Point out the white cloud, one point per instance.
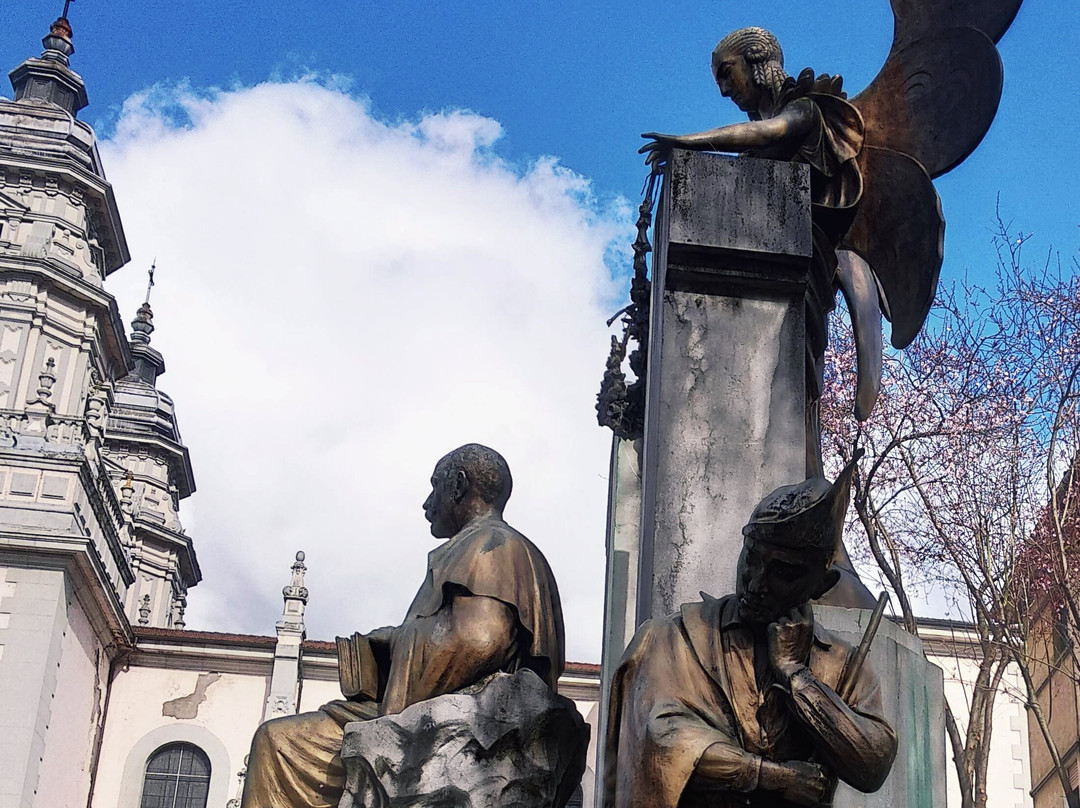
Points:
(340, 301)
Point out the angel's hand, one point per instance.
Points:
(658, 147)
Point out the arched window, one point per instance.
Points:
(177, 776)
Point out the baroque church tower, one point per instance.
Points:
(92, 467)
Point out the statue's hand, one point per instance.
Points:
(381, 636)
(659, 146)
(796, 780)
(790, 639)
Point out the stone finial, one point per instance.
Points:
(240, 775)
(48, 78)
(144, 611)
(39, 410)
(46, 380)
(58, 44)
(143, 325)
(296, 589)
(179, 606)
(97, 407)
(127, 491)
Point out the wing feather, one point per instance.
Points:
(856, 281)
(935, 97)
(900, 232)
(917, 18)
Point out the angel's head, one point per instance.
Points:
(748, 66)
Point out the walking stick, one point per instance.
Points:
(850, 676)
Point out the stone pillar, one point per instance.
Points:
(725, 416)
(291, 631)
(620, 602)
(725, 397)
(913, 695)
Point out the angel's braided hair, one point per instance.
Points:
(762, 53)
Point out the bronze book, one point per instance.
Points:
(357, 672)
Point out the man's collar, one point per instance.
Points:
(729, 618)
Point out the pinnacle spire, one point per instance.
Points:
(149, 363)
(296, 591)
(143, 324)
(48, 79)
(57, 42)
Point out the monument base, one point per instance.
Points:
(913, 698)
(508, 740)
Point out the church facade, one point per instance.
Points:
(107, 699)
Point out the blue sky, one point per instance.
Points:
(581, 80)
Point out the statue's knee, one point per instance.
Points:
(267, 735)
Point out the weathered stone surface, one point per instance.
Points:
(506, 741)
(763, 205)
(912, 694)
(729, 429)
(725, 410)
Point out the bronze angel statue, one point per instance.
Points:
(877, 219)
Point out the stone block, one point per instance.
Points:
(23, 484)
(914, 700)
(506, 741)
(739, 205)
(54, 487)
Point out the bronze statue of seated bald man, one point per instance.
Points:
(488, 603)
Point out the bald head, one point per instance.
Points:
(468, 483)
(486, 470)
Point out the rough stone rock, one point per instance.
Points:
(506, 741)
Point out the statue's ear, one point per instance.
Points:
(828, 581)
(460, 485)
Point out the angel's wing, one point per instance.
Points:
(924, 113)
(899, 231)
(938, 91)
(916, 18)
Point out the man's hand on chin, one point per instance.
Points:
(790, 638)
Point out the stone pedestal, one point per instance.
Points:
(725, 415)
(506, 741)
(914, 701)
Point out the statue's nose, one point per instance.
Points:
(757, 584)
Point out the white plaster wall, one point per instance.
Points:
(1008, 775)
(231, 712)
(64, 778)
(315, 694)
(590, 711)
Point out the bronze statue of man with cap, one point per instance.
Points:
(734, 701)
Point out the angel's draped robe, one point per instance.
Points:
(690, 681)
(488, 603)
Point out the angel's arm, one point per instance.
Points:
(791, 125)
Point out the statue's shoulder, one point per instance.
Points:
(493, 543)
